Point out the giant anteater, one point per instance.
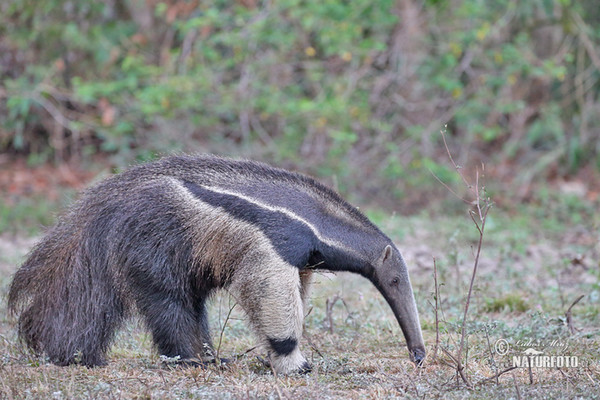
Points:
(161, 237)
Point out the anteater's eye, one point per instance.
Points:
(395, 281)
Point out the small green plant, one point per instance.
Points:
(512, 302)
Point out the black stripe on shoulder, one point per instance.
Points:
(186, 166)
(292, 239)
(283, 347)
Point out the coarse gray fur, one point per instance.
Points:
(161, 237)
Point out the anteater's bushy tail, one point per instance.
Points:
(69, 304)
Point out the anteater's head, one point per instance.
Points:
(390, 276)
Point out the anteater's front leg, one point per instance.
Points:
(270, 295)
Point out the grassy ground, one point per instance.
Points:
(535, 263)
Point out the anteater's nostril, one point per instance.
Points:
(418, 356)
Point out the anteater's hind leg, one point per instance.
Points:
(270, 295)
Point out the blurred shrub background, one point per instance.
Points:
(355, 92)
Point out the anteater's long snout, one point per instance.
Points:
(402, 303)
(408, 318)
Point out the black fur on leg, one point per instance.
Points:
(178, 329)
(283, 347)
(167, 293)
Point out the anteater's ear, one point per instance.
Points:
(387, 253)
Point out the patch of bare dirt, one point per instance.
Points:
(17, 179)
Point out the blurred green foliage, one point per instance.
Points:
(512, 302)
(357, 90)
(28, 215)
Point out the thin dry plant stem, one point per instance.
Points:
(493, 361)
(312, 344)
(448, 188)
(217, 359)
(475, 265)
(516, 387)
(276, 382)
(481, 213)
(497, 375)
(437, 297)
(456, 166)
(569, 316)
(329, 309)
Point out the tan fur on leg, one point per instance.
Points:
(270, 295)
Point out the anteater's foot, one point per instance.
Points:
(303, 369)
(306, 368)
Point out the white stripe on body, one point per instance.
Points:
(290, 214)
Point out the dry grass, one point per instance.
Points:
(363, 355)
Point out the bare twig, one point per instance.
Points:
(516, 387)
(276, 377)
(447, 352)
(449, 188)
(566, 376)
(329, 309)
(497, 375)
(475, 265)
(251, 349)
(312, 344)
(493, 361)
(479, 218)
(569, 316)
(457, 366)
(456, 166)
(217, 359)
(410, 379)
(587, 373)
(437, 296)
